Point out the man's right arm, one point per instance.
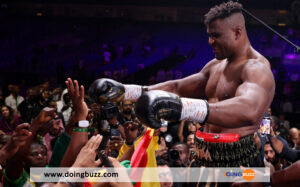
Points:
(103, 90)
(192, 86)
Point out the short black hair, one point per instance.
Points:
(162, 162)
(223, 10)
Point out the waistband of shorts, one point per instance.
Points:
(217, 138)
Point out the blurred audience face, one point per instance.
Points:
(165, 176)
(44, 86)
(55, 129)
(5, 112)
(127, 107)
(15, 90)
(294, 135)
(190, 140)
(183, 154)
(269, 153)
(45, 94)
(37, 156)
(192, 128)
(53, 104)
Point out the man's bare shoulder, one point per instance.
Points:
(256, 64)
(210, 65)
(257, 70)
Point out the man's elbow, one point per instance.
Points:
(251, 117)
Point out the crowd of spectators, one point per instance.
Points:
(36, 123)
(37, 131)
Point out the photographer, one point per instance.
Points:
(110, 129)
(127, 112)
(190, 141)
(179, 155)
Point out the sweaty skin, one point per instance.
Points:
(238, 83)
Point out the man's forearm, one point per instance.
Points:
(233, 113)
(277, 145)
(168, 86)
(133, 91)
(78, 140)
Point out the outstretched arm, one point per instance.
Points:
(192, 86)
(251, 100)
(103, 90)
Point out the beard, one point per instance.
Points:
(127, 112)
(220, 56)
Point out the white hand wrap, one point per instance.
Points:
(194, 110)
(132, 91)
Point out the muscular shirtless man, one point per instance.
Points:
(238, 83)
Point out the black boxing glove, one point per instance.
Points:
(103, 90)
(155, 105)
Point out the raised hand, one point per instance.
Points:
(131, 130)
(18, 139)
(44, 117)
(77, 96)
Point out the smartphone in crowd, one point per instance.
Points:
(265, 126)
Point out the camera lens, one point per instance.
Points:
(174, 155)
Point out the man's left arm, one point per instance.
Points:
(251, 100)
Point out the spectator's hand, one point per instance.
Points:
(17, 139)
(131, 130)
(87, 155)
(44, 117)
(77, 97)
(115, 143)
(123, 176)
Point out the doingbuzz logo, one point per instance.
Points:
(248, 174)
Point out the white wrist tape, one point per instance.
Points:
(132, 91)
(194, 110)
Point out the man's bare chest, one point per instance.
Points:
(222, 85)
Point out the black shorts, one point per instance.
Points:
(239, 152)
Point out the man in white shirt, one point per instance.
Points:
(14, 99)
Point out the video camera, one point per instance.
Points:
(108, 111)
